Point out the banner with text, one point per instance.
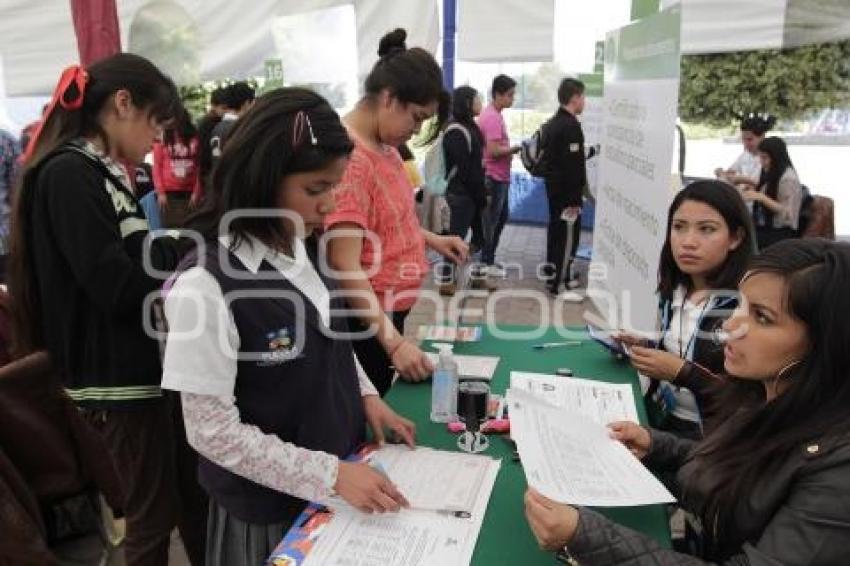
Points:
(635, 184)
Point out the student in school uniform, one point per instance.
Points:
(80, 282)
(273, 396)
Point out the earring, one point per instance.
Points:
(775, 381)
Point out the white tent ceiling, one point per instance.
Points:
(234, 38)
(719, 26)
(37, 36)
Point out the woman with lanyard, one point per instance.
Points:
(777, 201)
(770, 484)
(709, 241)
(374, 238)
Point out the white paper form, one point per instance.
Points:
(435, 480)
(600, 402)
(480, 367)
(406, 538)
(571, 459)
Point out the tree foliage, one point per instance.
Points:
(788, 83)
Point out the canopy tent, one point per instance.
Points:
(719, 26)
(214, 39)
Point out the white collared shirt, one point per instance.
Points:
(681, 343)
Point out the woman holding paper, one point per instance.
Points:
(771, 484)
(273, 397)
(709, 241)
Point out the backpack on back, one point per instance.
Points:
(533, 151)
(435, 178)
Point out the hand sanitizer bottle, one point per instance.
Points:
(444, 387)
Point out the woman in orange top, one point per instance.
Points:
(376, 240)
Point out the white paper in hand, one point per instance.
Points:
(571, 459)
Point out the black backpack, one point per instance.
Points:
(533, 152)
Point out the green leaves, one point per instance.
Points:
(788, 83)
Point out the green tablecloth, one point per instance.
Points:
(505, 536)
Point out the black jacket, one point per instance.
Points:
(85, 238)
(799, 515)
(564, 156)
(464, 156)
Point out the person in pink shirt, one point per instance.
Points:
(374, 238)
(175, 171)
(498, 153)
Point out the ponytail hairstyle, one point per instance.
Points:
(730, 463)
(73, 112)
(288, 130)
(411, 76)
(81, 94)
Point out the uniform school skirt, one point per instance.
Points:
(233, 542)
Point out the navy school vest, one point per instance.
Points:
(298, 384)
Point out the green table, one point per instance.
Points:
(505, 537)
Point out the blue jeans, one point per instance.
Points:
(495, 217)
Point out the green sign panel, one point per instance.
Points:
(644, 8)
(599, 61)
(646, 49)
(593, 84)
(274, 74)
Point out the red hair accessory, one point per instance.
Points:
(64, 96)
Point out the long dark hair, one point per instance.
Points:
(780, 161)
(269, 142)
(182, 129)
(149, 90)
(411, 76)
(463, 99)
(742, 453)
(726, 200)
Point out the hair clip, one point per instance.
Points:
(302, 118)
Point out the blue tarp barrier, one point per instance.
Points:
(528, 205)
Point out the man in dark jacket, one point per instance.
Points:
(566, 177)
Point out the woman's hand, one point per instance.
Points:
(553, 524)
(162, 201)
(656, 364)
(381, 418)
(751, 195)
(410, 362)
(628, 339)
(450, 246)
(367, 489)
(635, 437)
(194, 201)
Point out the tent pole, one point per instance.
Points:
(449, 31)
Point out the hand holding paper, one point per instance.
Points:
(571, 459)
